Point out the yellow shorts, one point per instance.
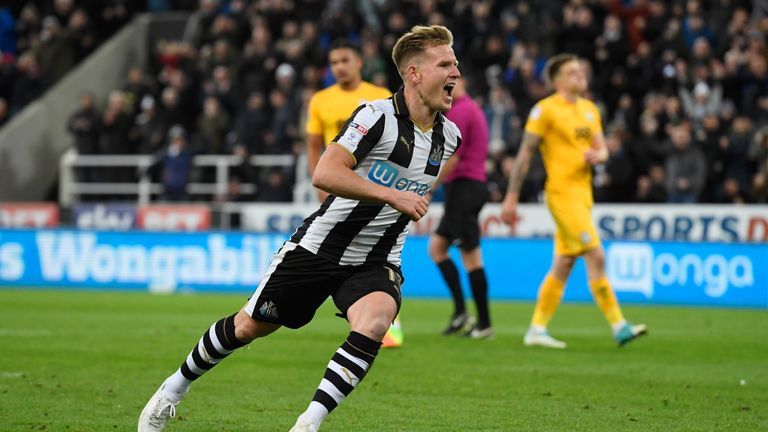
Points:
(576, 232)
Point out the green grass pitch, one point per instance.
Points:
(88, 361)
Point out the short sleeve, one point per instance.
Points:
(538, 120)
(314, 123)
(361, 131)
(598, 118)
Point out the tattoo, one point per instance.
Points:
(529, 145)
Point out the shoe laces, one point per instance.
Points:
(159, 417)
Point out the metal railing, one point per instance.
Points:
(70, 189)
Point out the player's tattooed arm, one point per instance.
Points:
(528, 147)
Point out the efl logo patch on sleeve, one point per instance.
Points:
(359, 127)
(352, 136)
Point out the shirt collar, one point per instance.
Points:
(401, 109)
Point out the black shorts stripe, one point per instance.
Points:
(339, 382)
(208, 344)
(302, 230)
(349, 364)
(198, 359)
(342, 234)
(188, 374)
(324, 398)
(384, 246)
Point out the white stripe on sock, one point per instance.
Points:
(216, 344)
(346, 376)
(332, 391)
(357, 360)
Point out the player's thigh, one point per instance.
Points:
(450, 219)
(575, 231)
(474, 195)
(367, 279)
(296, 283)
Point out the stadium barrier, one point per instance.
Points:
(702, 222)
(644, 272)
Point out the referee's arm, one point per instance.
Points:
(334, 174)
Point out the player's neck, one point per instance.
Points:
(420, 113)
(351, 85)
(569, 96)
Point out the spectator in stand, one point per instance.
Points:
(735, 148)
(253, 123)
(7, 30)
(27, 82)
(276, 187)
(116, 125)
(82, 32)
(503, 125)
(226, 90)
(758, 154)
(685, 167)
(151, 129)
(84, 125)
(212, 127)
(177, 165)
(703, 101)
(652, 188)
(137, 87)
(57, 50)
(27, 27)
(615, 181)
(5, 112)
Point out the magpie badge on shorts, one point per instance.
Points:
(268, 309)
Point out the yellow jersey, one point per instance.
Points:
(331, 107)
(567, 130)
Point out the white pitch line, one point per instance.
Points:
(24, 332)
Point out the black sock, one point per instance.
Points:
(479, 285)
(451, 275)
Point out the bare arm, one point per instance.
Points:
(334, 175)
(598, 153)
(314, 149)
(529, 145)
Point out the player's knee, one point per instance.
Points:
(437, 252)
(375, 328)
(596, 259)
(565, 263)
(247, 329)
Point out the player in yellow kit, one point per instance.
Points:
(330, 108)
(566, 129)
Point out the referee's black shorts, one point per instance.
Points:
(464, 199)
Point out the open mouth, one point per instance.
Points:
(448, 88)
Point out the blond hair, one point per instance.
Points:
(417, 41)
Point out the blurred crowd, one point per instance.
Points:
(682, 85)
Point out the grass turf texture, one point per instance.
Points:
(88, 361)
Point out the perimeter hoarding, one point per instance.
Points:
(682, 273)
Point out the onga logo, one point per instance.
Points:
(386, 175)
(635, 268)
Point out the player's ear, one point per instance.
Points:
(413, 74)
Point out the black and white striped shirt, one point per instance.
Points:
(390, 150)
